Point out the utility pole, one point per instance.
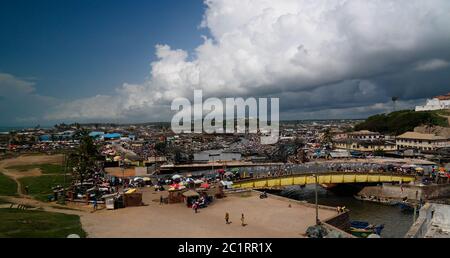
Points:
(213, 155)
(415, 207)
(316, 193)
(316, 200)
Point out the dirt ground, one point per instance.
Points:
(264, 218)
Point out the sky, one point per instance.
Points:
(126, 61)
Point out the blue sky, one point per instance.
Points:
(78, 48)
(126, 61)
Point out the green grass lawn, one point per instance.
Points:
(38, 224)
(45, 168)
(40, 187)
(7, 186)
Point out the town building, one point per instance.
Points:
(436, 103)
(365, 145)
(421, 141)
(364, 135)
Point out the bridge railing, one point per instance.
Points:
(323, 174)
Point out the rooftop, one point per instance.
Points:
(364, 132)
(421, 136)
(443, 97)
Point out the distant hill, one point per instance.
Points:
(399, 122)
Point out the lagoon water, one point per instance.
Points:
(396, 223)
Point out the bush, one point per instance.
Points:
(399, 122)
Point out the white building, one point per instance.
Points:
(436, 103)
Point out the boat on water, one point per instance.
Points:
(363, 229)
(374, 199)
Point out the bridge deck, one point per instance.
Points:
(323, 178)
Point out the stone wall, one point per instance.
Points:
(430, 214)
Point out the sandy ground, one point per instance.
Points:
(265, 218)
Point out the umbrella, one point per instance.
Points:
(221, 171)
(137, 179)
(204, 185)
(147, 179)
(235, 170)
(176, 177)
(228, 174)
(198, 181)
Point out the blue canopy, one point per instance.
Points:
(112, 136)
(96, 134)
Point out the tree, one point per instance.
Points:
(83, 160)
(327, 137)
(161, 147)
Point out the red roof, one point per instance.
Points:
(443, 97)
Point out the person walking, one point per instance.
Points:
(195, 207)
(95, 204)
(161, 200)
(227, 218)
(243, 220)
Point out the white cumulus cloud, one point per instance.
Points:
(285, 48)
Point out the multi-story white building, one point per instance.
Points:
(365, 135)
(421, 141)
(436, 103)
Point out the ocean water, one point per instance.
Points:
(13, 128)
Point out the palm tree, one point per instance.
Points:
(327, 138)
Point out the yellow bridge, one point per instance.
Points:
(322, 178)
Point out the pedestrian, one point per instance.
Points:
(195, 207)
(161, 200)
(243, 220)
(95, 204)
(227, 218)
(26, 190)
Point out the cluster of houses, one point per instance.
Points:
(367, 141)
